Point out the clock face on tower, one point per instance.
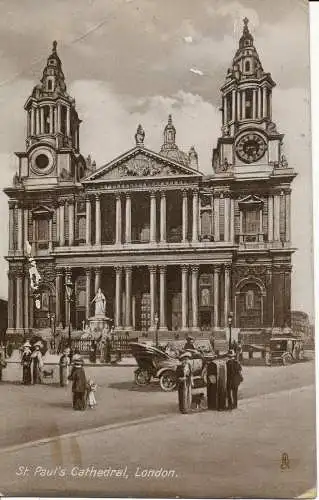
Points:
(250, 148)
(42, 161)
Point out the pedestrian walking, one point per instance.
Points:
(26, 363)
(91, 390)
(64, 365)
(37, 364)
(79, 384)
(234, 379)
(93, 350)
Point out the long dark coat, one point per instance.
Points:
(26, 367)
(79, 387)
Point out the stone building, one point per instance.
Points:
(157, 235)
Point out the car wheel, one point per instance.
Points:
(168, 381)
(287, 359)
(142, 377)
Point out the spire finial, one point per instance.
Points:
(170, 121)
(246, 21)
(54, 45)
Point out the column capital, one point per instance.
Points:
(12, 204)
(88, 270)
(163, 193)
(59, 271)
(152, 269)
(163, 269)
(71, 201)
(194, 268)
(128, 269)
(118, 195)
(227, 267)
(195, 191)
(97, 196)
(128, 194)
(68, 271)
(153, 193)
(62, 201)
(118, 269)
(97, 269)
(185, 192)
(217, 268)
(88, 198)
(185, 268)
(19, 273)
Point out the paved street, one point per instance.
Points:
(212, 454)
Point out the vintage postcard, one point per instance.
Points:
(157, 303)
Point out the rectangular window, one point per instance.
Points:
(249, 104)
(229, 103)
(42, 233)
(251, 221)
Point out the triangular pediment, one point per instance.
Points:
(251, 200)
(42, 210)
(140, 163)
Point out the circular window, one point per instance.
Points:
(42, 161)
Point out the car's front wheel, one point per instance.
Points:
(168, 381)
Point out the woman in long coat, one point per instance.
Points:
(79, 385)
(26, 364)
(37, 364)
(64, 367)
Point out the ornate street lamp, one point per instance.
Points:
(156, 321)
(69, 291)
(51, 317)
(230, 324)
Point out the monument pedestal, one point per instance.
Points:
(97, 324)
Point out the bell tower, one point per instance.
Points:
(52, 141)
(250, 143)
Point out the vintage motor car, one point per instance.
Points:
(285, 350)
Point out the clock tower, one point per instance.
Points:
(250, 144)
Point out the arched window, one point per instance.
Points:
(250, 299)
(247, 66)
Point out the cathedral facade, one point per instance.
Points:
(162, 240)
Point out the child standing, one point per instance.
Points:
(91, 401)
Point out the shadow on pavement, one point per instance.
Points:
(130, 386)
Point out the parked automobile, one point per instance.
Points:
(285, 350)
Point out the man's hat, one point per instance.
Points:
(185, 355)
(232, 354)
(26, 344)
(37, 344)
(78, 363)
(189, 337)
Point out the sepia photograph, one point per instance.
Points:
(157, 326)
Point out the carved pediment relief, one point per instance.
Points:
(251, 200)
(140, 164)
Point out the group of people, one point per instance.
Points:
(83, 389)
(32, 363)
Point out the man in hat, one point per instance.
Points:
(234, 379)
(79, 383)
(37, 363)
(184, 375)
(189, 344)
(26, 363)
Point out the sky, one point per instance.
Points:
(135, 61)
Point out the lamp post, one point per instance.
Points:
(156, 320)
(230, 323)
(68, 290)
(51, 317)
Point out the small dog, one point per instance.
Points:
(47, 373)
(198, 400)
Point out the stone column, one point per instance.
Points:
(97, 220)
(118, 295)
(42, 120)
(153, 217)
(264, 92)
(270, 218)
(128, 218)
(226, 217)
(71, 221)
(216, 218)
(184, 270)
(224, 110)
(10, 299)
(234, 105)
(243, 105)
(128, 298)
(51, 120)
(152, 271)
(58, 295)
(254, 104)
(232, 220)
(88, 274)
(88, 221)
(19, 300)
(26, 302)
(26, 227)
(277, 217)
(37, 121)
(288, 216)
(238, 105)
(11, 225)
(34, 236)
(194, 271)
(226, 294)
(185, 216)
(163, 217)
(118, 222)
(33, 132)
(97, 281)
(259, 103)
(195, 217)
(163, 293)
(61, 225)
(59, 118)
(216, 295)
(20, 228)
(50, 234)
(68, 121)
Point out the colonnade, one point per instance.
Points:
(261, 104)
